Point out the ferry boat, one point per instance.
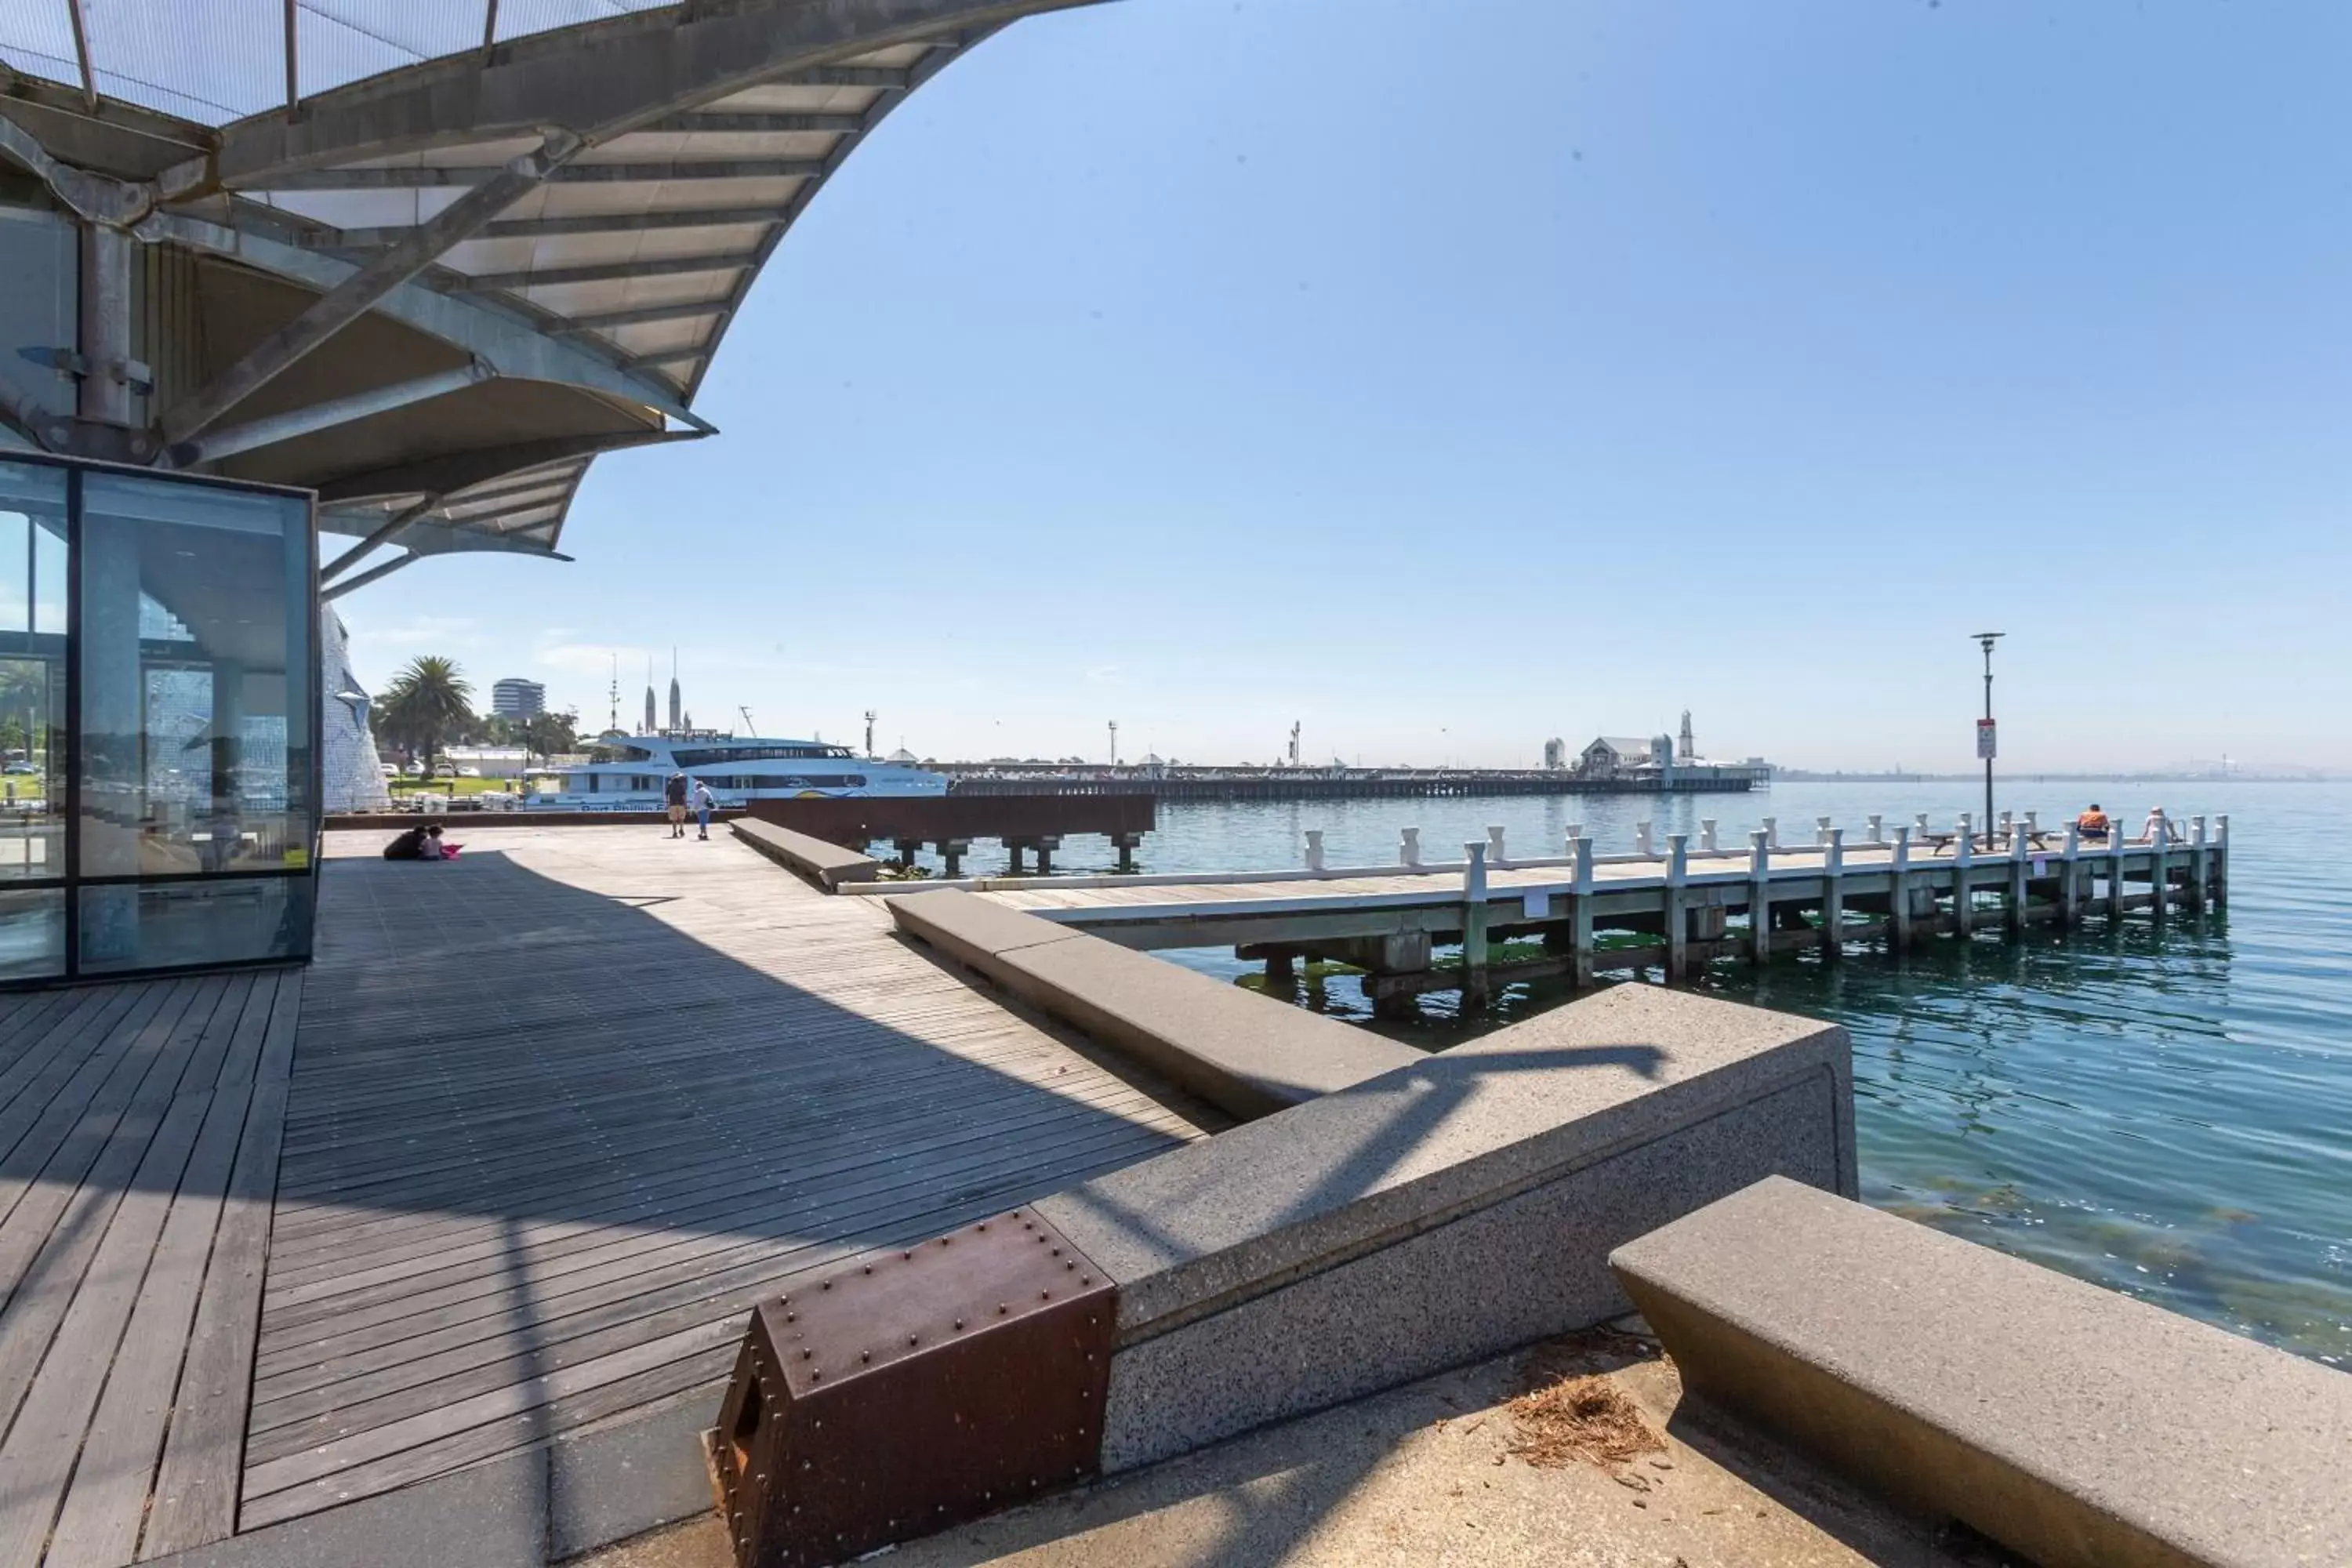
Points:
(626, 773)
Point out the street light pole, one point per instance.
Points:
(1986, 640)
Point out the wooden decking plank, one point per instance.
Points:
(198, 1480)
(38, 1456)
(99, 1524)
(27, 1087)
(406, 1363)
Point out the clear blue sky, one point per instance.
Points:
(1451, 376)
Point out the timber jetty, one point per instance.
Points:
(1180, 784)
(1672, 906)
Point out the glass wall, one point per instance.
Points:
(167, 652)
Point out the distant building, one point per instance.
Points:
(1555, 755)
(515, 698)
(1610, 756)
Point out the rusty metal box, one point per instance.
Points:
(912, 1392)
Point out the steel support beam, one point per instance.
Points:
(373, 573)
(649, 172)
(553, 228)
(699, 120)
(107, 396)
(605, 320)
(513, 344)
(325, 415)
(600, 272)
(383, 535)
(357, 294)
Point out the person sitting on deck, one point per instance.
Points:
(2093, 827)
(2158, 829)
(422, 842)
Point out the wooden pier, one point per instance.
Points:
(511, 1160)
(1671, 905)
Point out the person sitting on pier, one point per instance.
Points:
(2158, 829)
(2092, 827)
(422, 842)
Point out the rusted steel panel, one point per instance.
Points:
(858, 821)
(917, 1391)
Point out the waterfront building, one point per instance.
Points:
(515, 698)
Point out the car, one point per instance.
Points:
(469, 773)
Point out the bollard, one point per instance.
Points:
(1706, 835)
(2197, 862)
(1821, 831)
(1771, 833)
(1315, 849)
(1878, 830)
(1833, 892)
(1760, 896)
(1678, 914)
(1473, 925)
(1494, 853)
(1919, 824)
(1409, 846)
(1579, 854)
(1641, 839)
(1898, 889)
(1964, 899)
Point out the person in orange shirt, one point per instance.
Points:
(2093, 827)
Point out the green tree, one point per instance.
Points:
(427, 705)
(548, 734)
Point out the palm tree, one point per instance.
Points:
(426, 703)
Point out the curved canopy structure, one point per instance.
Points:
(428, 259)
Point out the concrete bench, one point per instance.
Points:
(1250, 1056)
(1428, 1217)
(2072, 1423)
(827, 865)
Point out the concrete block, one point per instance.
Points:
(491, 1516)
(1441, 1212)
(827, 865)
(2076, 1426)
(972, 930)
(1248, 1055)
(622, 1481)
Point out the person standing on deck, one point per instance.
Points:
(704, 801)
(673, 794)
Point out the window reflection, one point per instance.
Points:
(176, 925)
(31, 703)
(195, 692)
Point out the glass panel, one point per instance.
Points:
(215, 920)
(32, 934)
(32, 673)
(196, 699)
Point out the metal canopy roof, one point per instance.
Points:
(524, 225)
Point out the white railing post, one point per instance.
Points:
(1964, 898)
(1474, 924)
(1898, 902)
(2007, 828)
(1919, 824)
(1772, 833)
(1821, 831)
(1641, 839)
(2200, 861)
(1575, 832)
(1760, 895)
(1706, 835)
(1474, 872)
(1579, 854)
(1315, 849)
(1409, 846)
(1494, 852)
(2221, 831)
(2032, 822)
(1877, 829)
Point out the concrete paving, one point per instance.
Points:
(1425, 1474)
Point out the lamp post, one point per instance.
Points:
(1985, 741)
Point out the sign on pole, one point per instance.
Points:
(1985, 748)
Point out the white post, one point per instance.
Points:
(1964, 899)
(1877, 829)
(1772, 832)
(1834, 851)
(1898, 903)
(1760, 901)
(1494, 853)
(1833, 892)
(1919, 824)
(1641, 839)
(1902, 848)
(1474, 873)
(1575, 832)
(1315, 849)
(1706, 835)
(1821, 831)
(1677, 917)
(2032, 822)
(2198, 862)
(1409, 846)
(1677, 859)
(1579, 853)
(2007, 826)
(2221, 830)
(2070, 873)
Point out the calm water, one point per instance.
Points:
(2167, 1114)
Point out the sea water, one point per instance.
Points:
(2165, 1110)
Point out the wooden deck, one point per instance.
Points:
(140, 1124)
(510, 1161)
